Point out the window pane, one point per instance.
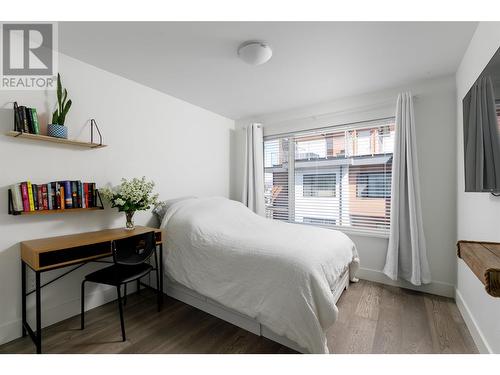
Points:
(342, 178)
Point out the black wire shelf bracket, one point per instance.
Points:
(93, 124)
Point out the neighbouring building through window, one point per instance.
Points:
(336, 177)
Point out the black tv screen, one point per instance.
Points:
(481, 111)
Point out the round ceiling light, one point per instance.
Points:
(255, 52)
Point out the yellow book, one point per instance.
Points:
(30, 196)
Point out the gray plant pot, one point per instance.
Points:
(57, 131)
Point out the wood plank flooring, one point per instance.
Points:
(373, 318)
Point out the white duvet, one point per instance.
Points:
(278, 273)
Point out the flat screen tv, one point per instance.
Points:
(481, 110)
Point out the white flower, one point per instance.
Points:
(134, 195)
(119, 202)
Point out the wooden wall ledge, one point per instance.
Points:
(483, 258)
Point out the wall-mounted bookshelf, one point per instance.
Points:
(45, 138)
(96, 205)
(50, 212)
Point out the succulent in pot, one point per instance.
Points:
(57, 128)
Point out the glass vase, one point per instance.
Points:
(130, 220)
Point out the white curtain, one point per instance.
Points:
(406, 253)
(253, 184)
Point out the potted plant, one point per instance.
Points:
(131, 196)
(57, 128)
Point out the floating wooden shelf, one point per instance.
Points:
(49, 212)
(45, 138)
(483, 258)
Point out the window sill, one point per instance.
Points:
(351, 231)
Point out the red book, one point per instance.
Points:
(24, 194)
(39, 197)
(86, 194)
(45, 197)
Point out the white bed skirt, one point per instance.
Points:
(189, 296)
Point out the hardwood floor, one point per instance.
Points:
(373, 318)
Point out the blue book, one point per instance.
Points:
(68, 199)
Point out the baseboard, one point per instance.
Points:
(50, 315)
(435, 287)
(475, 331)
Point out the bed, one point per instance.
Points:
(272, 278)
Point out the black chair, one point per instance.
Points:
(129, 257)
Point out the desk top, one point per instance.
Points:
(31, 250)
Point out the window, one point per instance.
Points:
(337, 177)
(372, 185)
(319, 185)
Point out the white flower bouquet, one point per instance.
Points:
(130, 196)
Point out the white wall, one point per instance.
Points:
(435, 108)
(478, 214)
(183, 148)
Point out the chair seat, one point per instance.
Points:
(118, 274)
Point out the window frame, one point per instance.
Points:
(291, 170)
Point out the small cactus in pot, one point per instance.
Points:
(56, 128)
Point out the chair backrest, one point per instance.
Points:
(134, 250)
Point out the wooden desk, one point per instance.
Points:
(51, 253)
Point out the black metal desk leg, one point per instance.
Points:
(38, 314)
(23, 297)
(161, 275)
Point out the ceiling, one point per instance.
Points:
(312, 62)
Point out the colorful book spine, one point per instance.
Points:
(62, 196)
(30, 196)
(45, 198)
(39, 194)
(17, 120)
(24, 120)
(50, 197)
(17, 199)
(25, 196)
(91, 195)
(80, 195)
(57, 195)
(74, 194)
(68, 198)
(85, 195)
(34, 120)
(29, 120)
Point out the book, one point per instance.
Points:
(24, 121)
(74, 194)
(62, 199)
(57, 201)
(68, 197)
(85, 195)
(34, 120)
(35, 196)
(17, 199)
(91, 195)
(17, 120)
(45, 200)
(50, 196)
(39, 199)
(25, 197)
(30, 196)
(29, 120)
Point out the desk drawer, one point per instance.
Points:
(59, 257)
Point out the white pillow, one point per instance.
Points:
(161, 208)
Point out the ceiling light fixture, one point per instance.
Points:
(255, 52)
